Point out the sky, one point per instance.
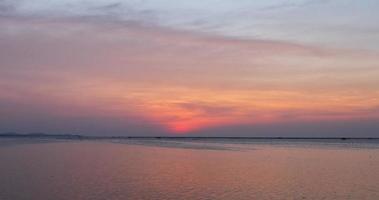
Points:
(306, 68)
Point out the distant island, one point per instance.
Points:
(41, 135)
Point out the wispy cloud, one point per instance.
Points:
(7, 7)
(240, 19)
(295, 4)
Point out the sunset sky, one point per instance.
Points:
(200, 67)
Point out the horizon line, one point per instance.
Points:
(79, 136)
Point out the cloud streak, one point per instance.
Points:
(243, 19)
(295, 4)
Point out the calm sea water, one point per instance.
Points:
(186, 169)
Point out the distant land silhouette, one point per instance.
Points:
(39, 135)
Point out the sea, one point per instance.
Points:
(188, 168)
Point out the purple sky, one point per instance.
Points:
(210, 67)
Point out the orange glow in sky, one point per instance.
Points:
(136, 78)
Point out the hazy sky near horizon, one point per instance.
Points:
(209, 67)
